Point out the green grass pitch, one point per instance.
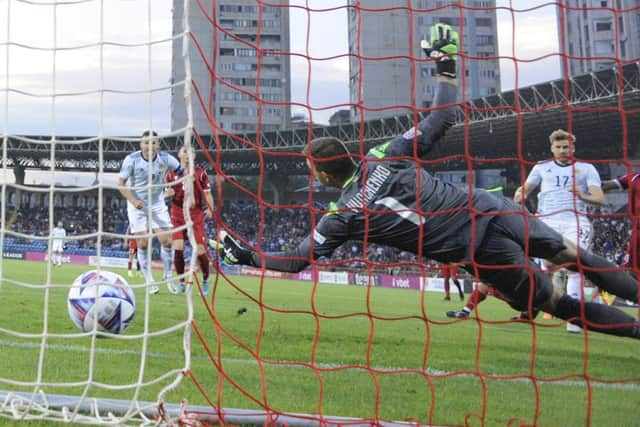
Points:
(340, 350)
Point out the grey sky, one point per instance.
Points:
(81, 110)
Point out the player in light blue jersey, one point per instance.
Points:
(144, 191)
(567, 187)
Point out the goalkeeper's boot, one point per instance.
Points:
(205, 287)
(458, 314)
(130, 273)
(443, 47)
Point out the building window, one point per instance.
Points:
(243, 51)
(488, 74)
(426, 72)
(448, 20)
(604, 47)
(484, 40)
(231, 8)
(226, 23)
(603, 26)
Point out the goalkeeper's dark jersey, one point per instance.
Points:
(400, 205)
(390, 200)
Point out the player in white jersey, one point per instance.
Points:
(57, 243)
(146, 207)
(567, 187)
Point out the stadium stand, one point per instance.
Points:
(281, 230)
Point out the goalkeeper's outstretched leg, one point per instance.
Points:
(506, 267)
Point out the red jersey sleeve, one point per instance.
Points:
(626, 181)
(204, 181)
(623, 181)
(201, 187)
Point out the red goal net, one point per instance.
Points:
(364, 336)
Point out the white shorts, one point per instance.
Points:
(138, 218)
(576, 230)
(57, 246)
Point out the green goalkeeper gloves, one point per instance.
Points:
(231, 251)
(442, 46)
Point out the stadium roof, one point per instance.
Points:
(603, 109)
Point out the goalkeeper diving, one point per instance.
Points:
(388, 198)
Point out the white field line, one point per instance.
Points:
(634, 386)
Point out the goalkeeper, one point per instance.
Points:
(389, 199)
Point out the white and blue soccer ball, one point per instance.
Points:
(103, 297)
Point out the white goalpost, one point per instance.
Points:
(68, 66)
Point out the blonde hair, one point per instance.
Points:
(561, 135)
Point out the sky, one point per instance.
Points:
(129, 68)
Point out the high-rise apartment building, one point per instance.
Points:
(243, 74)
(590, 30)
(383, 75)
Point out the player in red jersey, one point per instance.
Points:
(450, 272)
(130, 241)
(630, 182)
(198, 212)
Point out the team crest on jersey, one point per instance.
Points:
(161, 167)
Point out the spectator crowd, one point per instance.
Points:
(273, 229)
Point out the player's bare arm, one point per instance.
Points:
(127, 194)
(594, 196)
(208, 214)
(523, 192)
(610, 185)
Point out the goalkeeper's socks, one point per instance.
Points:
(600, 317)
(615, 281)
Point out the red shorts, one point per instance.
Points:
(449, 270)
(197, 216)
(133, 246)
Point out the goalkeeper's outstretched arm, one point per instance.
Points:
(442, 47)
(333, 229)
(312, 247)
